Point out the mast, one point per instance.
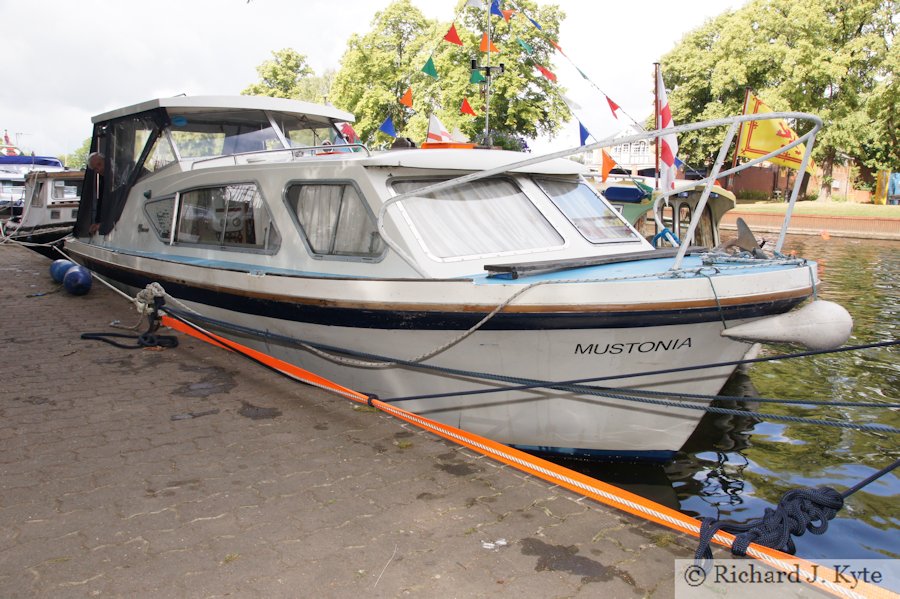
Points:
(656, 117)
(737, 143)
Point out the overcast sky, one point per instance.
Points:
(66, 62)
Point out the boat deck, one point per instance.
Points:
(192, 472)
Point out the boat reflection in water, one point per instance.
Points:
(705, 475)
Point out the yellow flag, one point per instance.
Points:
(758, 138)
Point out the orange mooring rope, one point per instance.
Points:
(824, 578)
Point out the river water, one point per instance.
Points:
(734, 467)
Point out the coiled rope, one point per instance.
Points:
(799, 511)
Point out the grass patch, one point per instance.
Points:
(822, 209)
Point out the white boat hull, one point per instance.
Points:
(535, 417)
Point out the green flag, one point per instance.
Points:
(476, 77)
(429, 69)
(525, 46)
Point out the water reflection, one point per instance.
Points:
(734, 467)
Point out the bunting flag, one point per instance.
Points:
(349, 133)
(484, 44)
(758, 138)
(436, 131)
(528, 49)
(613, 107)
(557, 46)
(507, 14)
(476, 77)
(607, 164)
(388, 127)
(466, 108)
(406, 100)
(535, 23)
(452, 36)
(546, 72)
(668, 144)
(495, 8)
(582, 133)
(429, 69)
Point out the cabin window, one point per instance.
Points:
(37, 196)
(482, 218)
(586, 211)
(334, 220)
(230, 216)
(205, 135)
(159, 213)
(161, 155)
(127, 141)
(67, 190)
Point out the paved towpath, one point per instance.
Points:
(108, 488)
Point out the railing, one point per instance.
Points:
(731, 122)
(291, 153)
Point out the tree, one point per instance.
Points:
(380, 66)
(819, 56)
(78, 158)
(289, 76)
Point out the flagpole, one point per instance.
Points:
(737, 143)
(656, 116)
(487, 87)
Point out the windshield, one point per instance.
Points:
(482, 218)
(593, 218)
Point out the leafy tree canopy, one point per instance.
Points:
(828, 57)
(289, 76)
(378, 68)
(78, 158)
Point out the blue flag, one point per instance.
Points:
(535, 23)
(583, 133)
(388, 127)
(495, 9)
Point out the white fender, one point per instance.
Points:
(817, 325)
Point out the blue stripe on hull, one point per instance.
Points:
(428, 320)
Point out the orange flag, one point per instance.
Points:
(606, 165)
(406, 100)
(466, 108)
(452, 36)
(507, 14)
(484, 44)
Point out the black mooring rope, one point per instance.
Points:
(799, 510)
(147, 339)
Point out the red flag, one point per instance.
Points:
(452, 36)
(484, 44)
(546, 73)
(507, 14)
(406, 100)
(668, 144)
(466, 108)
(613, 106)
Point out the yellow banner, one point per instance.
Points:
(758, 138)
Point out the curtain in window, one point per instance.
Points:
(484, 217)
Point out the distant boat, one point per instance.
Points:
(50, 207)
(463, 280)
(636, 199)
(12, 180)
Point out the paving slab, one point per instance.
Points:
(108, 488)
